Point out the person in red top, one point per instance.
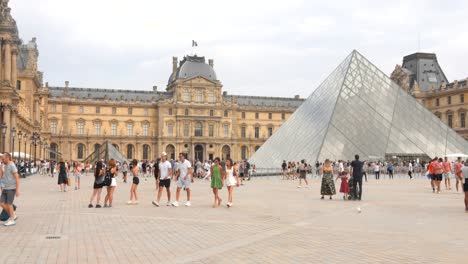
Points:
(447, 173)
(438, 171)
(458, 173)
(430, 168)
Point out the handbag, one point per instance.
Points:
(68, 181)
(99, 180)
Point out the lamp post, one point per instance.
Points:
(44, 155)
(20, 135)
(4, 130)
(13, 135)
(30, 151)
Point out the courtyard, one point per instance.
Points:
(272, 221)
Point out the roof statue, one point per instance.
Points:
(358, 110)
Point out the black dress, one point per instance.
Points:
(62, 177)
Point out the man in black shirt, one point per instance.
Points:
(356, 173)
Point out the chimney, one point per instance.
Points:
(174, 64)
(66, 84)
(297, 96)
(155, 88)
(225, 93)
(47, 84)
(210, 62)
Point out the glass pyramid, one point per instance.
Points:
(106, 152)
(358, 110)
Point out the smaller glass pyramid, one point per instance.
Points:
(358, 110)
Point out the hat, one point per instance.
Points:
(164, 154)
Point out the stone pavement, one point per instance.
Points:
(272, 221)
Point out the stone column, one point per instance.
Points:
(1, 65)
(37, 109)
(7, 121)
(7, 72)
(14, 72)
(13, 125)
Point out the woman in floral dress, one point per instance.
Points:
(328, 185)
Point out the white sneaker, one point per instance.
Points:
(188, 203)
(168, 203)
(299, 186)
(9, 223)
(155, 203)
(129, 202)
(16, 217)
(175, 204)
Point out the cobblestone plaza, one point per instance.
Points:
(272, 221)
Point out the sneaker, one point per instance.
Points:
(188, 203)
(137, 202)
(155, 203)
(168, 203)
(105, 206)
(98, 206)
(298, 186)
(9, 223)
(129, 203)
(16, 217)
(175, 204)
(91, 206)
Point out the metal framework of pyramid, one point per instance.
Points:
(358, 110)
(106, 152)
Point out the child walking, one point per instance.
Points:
(344, 187)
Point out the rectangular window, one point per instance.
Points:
(98, 110)
(114, 110)
(243, 115)
(462, 98)
(114, 129)
(462, 120)
(130, 111)
(449, 120)
(257, 132)
(170, 111)
(170, 130)
(199, 97)
(449, 100)
(256, 115)
(437, 101)
(243, 129)
(226, 130)
(130, 129)
(186, 96)
(211, 130)
(53, 108)
(53, 127)
(226, 113)
(80, 109)
(270, 131)
(270, 116)
(145, 130)
(211, 112)
(186, 112)
(186, 130)
(80, 128)
(146, 112)
(283, 116)
(97, 129)
(211, 98)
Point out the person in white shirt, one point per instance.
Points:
(207, 168)
(165, 175)
(185, 174)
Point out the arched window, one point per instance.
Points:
(129, 151)
(170, 150)
(244, 152)
(53, 151)
(146, 150)
(199, 129)
(80, 154)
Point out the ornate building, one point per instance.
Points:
(22, 98)
(422, 76)
(194, 115)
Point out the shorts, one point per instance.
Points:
(302, 175)
(465, 186)
(241, 174)
(446, 175)
(136, 180)
(7, 196)
(98, 186)
(181, 183)
(113, 182)
(78, 176)
(165, 183)
(436, 177)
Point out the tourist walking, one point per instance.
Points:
(465, 186)
(77, 173)
(302, 174)
(185, 174)
(328, 185)
(125, 171)
(217, 178)
(135, 182)
(390, 170)
(344, 187)
(98, 184)
(110, 171)
(356, 173)
(62, 175)
(377, 170)
(9, 181)
(447, 167)
(438, 171)
(410, 170)
(232, 179)
(458, 173)
(165, 175)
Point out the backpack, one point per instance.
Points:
(107, 178)
(4, 215)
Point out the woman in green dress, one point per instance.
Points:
(217, 179)
(328, 185)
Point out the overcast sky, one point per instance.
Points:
(259, 47)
